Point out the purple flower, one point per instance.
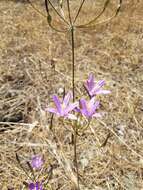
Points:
(93, 88)
(37, 162)
(37, 186)
(88, 108)
(63, 109)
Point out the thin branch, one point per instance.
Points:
(49, 18)
(36, 8)
(60, 4)
(46, 4)
(69, 12)
(104, 21)
(81, 5)
(102, 11)
(57, 30)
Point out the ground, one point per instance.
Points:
(35, 63)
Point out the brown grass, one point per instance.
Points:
(35, 63)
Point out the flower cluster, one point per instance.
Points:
(87, 108)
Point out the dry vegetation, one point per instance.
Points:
(35, 63)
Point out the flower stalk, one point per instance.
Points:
(75, 156)
(73, 62)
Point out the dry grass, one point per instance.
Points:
(35, 63)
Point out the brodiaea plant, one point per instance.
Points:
(77, 111)
(84, 109)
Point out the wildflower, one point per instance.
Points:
(95, 88)
(63, 108)
(37, 186)
(88, 108)
(37, 162)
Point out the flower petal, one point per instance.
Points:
(97, 104)
(37, 162)
(77, 109)
(83, 105)
(51, 110)
(100, 83)
(91, 81)
(97, 115)
(71, 107)
(93, 107)
(86, 85)
(31, 186)
(57, 103)
(91, 77)
(97, 87)
(103, 92)
(92, 101)
(67, 98)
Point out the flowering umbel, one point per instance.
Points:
(94, 88)
(64, 108)
(86, 108)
